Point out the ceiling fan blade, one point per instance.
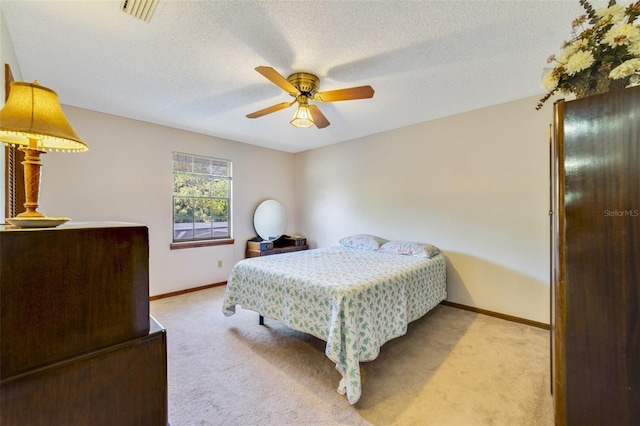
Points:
(360, 92)
(318, 117)
(276, 78)
(270, 109)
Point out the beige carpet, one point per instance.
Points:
(453, 367)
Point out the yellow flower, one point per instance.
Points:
(550, 80)
(569, 50)
(625, 69)
(616, 12)
(634, 48)
(621, 35)
(579, 61)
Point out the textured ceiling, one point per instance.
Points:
(192, 66)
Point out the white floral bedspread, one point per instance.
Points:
(354, 299)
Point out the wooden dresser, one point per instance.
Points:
(258, 247)
(77, 344)
(596, 260)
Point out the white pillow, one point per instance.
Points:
(363, 241)
(410, 248)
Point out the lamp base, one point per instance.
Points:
(31, 213)
(37, 222)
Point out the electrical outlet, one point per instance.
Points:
(219, 263)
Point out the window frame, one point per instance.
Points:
(14, 191)
(206, 241)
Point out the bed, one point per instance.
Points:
(354, 298)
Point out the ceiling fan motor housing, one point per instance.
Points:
(307, 84)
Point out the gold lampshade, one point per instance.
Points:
(302, 118)
(33, 118)
(33, 112)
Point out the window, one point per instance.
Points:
(201, 198)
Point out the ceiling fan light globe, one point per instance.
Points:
(302, 117)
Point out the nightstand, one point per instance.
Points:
(257, 247)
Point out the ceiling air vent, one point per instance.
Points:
(141, 9)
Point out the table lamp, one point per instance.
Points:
(33, 119)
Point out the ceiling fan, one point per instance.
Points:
(303, 87)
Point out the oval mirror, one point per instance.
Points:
(270, 220)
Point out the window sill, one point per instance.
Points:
(203, 243)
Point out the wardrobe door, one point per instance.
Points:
(599, 260)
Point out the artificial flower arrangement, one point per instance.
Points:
(603, 53)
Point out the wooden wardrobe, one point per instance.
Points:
(595, 324)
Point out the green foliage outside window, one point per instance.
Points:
(201, 197)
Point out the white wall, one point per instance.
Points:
(475, 184)
(127, 176)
